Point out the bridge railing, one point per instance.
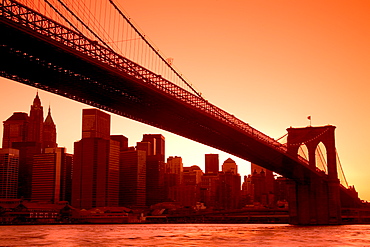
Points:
(47, 28)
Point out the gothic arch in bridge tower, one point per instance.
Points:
(311, 137)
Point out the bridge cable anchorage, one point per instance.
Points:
(153, 49)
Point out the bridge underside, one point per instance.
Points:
(38, 61)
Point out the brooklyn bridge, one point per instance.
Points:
(60, 48)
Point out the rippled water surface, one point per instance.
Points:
(184, 235)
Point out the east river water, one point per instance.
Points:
(184, 235)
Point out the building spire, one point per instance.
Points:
(49, 132)
(49, 119)
(37, 101)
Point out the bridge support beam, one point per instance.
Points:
(314, 199)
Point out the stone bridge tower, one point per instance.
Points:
(315, 199)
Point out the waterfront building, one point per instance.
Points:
(30, 135)
(9, 162)
(173, 178)
(192, 175)
(209, 190)
(247, 192)
(188, 193)
(155, 166)
(132, 178)
(66, 178)
(229, 190)
(95, 181)
(27, 150)
(174, 166)
(263, 186)
(51, 176)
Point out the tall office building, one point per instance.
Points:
(158, 145)
(173, 177)
(23, 128)
(209, 188)
(155, 168)
(123, 140)
(188, 193)
(15, 129)
(269, 176)
(263, 184)
(95, 123)
(49, 132)
(46, 177)
(27, 134)
(95, 180)
(66, 178)
(247, 192)
(211, 163)
(50, 176)
(9, 161)
(229, 190)
(229, 165)
(132, 178)
(174, 166)
(36, 121)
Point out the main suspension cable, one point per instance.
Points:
(153, 49)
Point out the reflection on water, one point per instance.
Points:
(184, 235)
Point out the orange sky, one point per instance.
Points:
(270, 63)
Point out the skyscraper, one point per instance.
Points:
(15, 129)
(95, 123)
(133, 178)
(49, 175)
(49, 132)
(155, 168)
(46, 177)
(229, 190)
(26, 133)
(188, 193)
(263, 184)
(95, 180)
(9, 161)
(66, 178)
(229, 185)
(27, 150)
(229, 165)
(36, 121)
(173, 177)
(211, 163)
